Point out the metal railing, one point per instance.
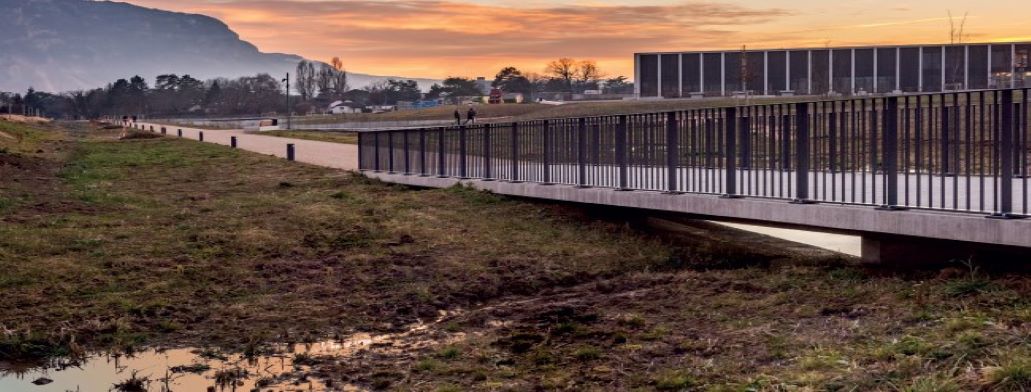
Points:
(964, 151)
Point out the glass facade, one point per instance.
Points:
(821, 72)
(955, 68)
(776, 68)
(909, 70)
(649, 74)
(755, 73)
(670, 75)
(932, 69)
(1022, 66)
(691, 64)
(978, 68)
(799, 61)
(886, 70)
(1002, 66)
(713, 75)
(733, 71)
(864, 71)
(844, 71)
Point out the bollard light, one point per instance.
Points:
(290, 152)
(232, 141)
(200, 136)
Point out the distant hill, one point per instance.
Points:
(61, 45)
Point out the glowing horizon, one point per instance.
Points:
(440, 38)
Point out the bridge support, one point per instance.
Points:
(905, 252)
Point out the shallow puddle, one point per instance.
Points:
(279, 368)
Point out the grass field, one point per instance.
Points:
(119, 244)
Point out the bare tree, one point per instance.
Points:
(339, 77)
(324, 80)
(589, 72)
(956, 36)
(305, 83)
(956, 32)
(564, 69)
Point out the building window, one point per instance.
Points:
(733, 71)
(886, 69)
(1002, 66)
(1022, 65)
(909, 69)
(955, 68)
(864, 71)
(978, 68)
(821, 72)
(670, 75)
(932, 70)
(713, 74)
(799, 72)
(649, 75)
(776, 66)
(843, 71)
(692, 65)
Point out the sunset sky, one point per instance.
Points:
(435, 39)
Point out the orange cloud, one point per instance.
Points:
(437, 38)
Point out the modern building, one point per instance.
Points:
(833, 71)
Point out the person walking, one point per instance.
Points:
(470, 117)
(458, 117)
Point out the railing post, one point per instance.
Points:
(361, 149)
(390, 151)
(546, 147)
(581, 151)
(514, 139)
(745, 141)
(785, 148)
(462, 156)
(946, 162)
(621, 158)
(890, 154)
(802, 153)
(441, 159)
(407, 152)
(422, 153)
(375, 151)
(487, 172)
(730, 139)
(672, 152)
(1004, 209)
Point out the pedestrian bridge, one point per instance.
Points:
(947, 168)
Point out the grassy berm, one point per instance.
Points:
(117, 244)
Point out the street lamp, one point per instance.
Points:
(289, 110)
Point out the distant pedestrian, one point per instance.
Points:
(470, 117)
(458, 117)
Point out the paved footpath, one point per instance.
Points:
(334, 155)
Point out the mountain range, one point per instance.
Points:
(63, 45)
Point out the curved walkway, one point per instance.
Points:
(334, 155)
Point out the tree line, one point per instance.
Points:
(316, 86)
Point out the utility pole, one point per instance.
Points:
(289, 110)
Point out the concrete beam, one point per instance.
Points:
(974, 228)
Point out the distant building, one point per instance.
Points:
(483, 85)
(846, 71)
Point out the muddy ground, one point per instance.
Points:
(118, 245)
